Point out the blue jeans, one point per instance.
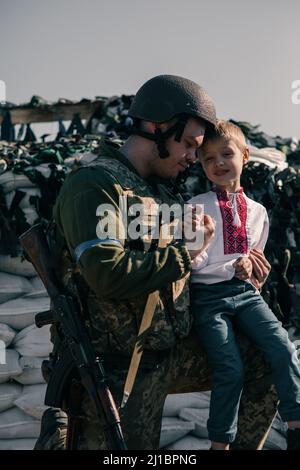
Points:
(217, 308)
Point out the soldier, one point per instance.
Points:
(118, 271)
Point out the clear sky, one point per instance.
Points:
(245, 53)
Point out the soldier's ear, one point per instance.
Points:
(148, 126)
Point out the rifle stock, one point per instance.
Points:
(77, 349)
(35, 244)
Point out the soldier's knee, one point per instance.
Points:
(53, 430)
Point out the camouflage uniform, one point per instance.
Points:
(120, 276)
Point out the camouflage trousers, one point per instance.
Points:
(183, 369)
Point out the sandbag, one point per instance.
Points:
(9, 392)
(32, 373)
(31, 400)
(280, 426)
(38, 289)
(15, 424)
(12, 366)
(190, 443)
(176, 402)
(269, 156)
(25, 201)
(33, 341)
(7, 334)
(12, 287)
(199, 417)
(17, 265)
(17, 444)
(20, 313)
(43, 168)
(275, 441)
(31, 215)
(11, 181)
(173, 429)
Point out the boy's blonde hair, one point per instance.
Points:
(225, 130)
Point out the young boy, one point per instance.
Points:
(220, 298)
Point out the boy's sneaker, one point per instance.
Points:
(293, 439)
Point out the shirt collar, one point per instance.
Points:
(223, 194)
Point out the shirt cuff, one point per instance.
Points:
(200, 261)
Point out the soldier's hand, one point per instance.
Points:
(207, 227)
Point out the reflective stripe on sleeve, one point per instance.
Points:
(80, 249)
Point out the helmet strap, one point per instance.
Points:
(160, 137)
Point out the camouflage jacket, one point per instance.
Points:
(121, 271)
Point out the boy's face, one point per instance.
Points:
(223, 161)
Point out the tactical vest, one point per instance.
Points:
(113, 324)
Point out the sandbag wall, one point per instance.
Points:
(184, 424)
(28, 190)
(22, 295)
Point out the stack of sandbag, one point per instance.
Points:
(184, 424)
(273, 158)
(22, 387)
(22, 296)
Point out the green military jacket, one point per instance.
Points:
(121, 272)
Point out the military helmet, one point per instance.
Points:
(165, 96)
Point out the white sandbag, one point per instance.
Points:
(11, 368)
(275, 441)
(7, 334)
(269, 156)
(25, 201)
(32, 373)
(190, 443)
(12, 287)
(11, 181)
(17, 444)
(17, 265)
(44, 169)
(280, 426)
(36, 283)
(175, 402)
(31, 400)
(9, 392)
(31, 215)
(15, 424)
(33, 341)
(38, 289)
(20, 313)
(173, 429)
(199, 417)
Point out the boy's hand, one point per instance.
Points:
(243, 268)
(261, 267)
